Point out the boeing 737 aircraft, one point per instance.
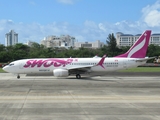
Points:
(63, 67)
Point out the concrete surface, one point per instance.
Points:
(96, 98)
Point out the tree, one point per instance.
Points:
(2, 47)
(36, 50)
(20, 51)
(153, 50)
(112, 44)
(4, 57)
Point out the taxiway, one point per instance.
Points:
(96, 98)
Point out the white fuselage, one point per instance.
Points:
(62, 67)
(47, 65)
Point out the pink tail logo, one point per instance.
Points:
(139, 49)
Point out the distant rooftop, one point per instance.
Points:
(156, 34)
(126, 35)
(138, 35)
(119, 33)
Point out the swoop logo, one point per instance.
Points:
(137, 48)
(47, 63)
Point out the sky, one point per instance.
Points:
(86, 20)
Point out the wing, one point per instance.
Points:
(80, 67)
(86, 68)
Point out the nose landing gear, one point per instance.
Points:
(18, 76)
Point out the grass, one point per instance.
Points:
(1, 70)
(137, 69)
(142, 69)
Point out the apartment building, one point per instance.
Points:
(129, 39)
(11, 38)
(93, 45)
(29, 43)
(65, 41)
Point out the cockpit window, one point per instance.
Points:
(11, 64)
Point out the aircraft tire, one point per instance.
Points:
(78, 76)
(18, 77)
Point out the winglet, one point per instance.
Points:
(102, 61)
(139, 48)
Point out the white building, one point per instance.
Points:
(129, 39)
(93, 45)
(29, 43)
(11, 38)
(155, 39)
(62, 41)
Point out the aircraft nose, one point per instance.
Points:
(6, 69)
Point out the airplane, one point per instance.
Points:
(63, 67)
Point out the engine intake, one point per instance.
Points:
(60, 72)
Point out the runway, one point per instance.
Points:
(96, 98)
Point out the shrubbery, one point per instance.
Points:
(21, 51)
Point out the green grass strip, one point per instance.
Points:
(1, 70)
(142, 69)
(137, 69)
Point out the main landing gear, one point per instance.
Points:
(78, 76)
(18, 76)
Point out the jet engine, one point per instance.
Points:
(60, 72)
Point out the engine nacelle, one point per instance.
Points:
(60, 72)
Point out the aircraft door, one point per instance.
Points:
(21, 65)
(125, 64)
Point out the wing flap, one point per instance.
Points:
(80, 67)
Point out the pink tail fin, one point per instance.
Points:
(139, 48)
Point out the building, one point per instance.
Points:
(129, 39)
(64, 41)
(93, 45)
(11, 38)
(155, 39)
(29, 43)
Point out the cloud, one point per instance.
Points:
(35, 31)
(89, 31)
(32, 3)
(66, 1)
(151, 14)
(101, 27)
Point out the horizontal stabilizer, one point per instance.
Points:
(144, 59)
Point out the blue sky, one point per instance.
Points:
(86, 20)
